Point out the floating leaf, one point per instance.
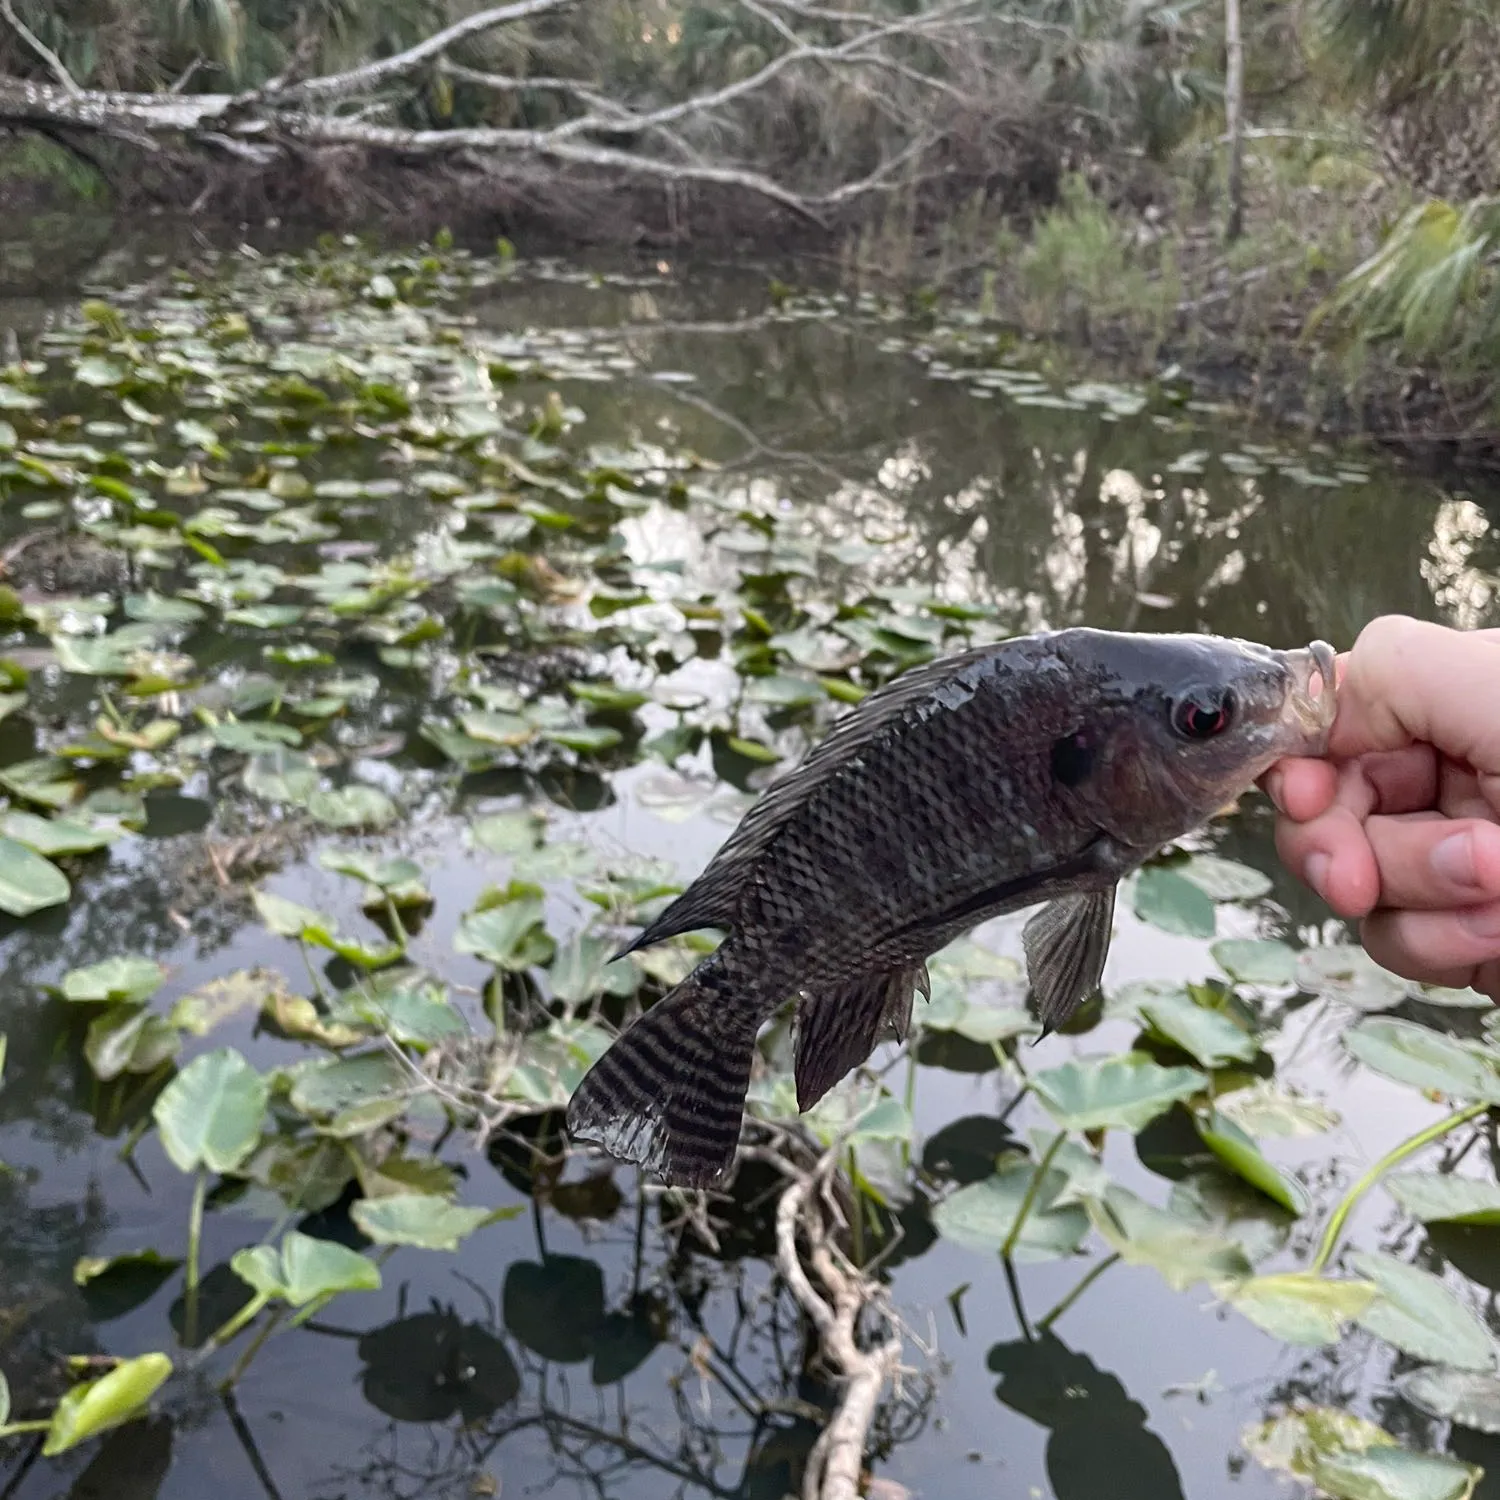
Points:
(95, 1406)
(431, 1223)
(510, 935)
(1173, 903)
(303, 1269)
(54, 837)
(1301, 1307)
(29, 883)
(982, 1215)
(1225, 879)
(1348, 1458)
(1256, 960)
(1347, 973)
(1440, 1197)
(1270, 1108)
(128, 1039)
(1244, 1158)
(1421, 1316)
(210, 1115)
(1426, 1059)
(1182, 1251)
(1113, 1093)
(114, 980)
(1464, 1396)
(1208, 1036)
(352, 807)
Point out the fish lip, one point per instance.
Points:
(1312, 700)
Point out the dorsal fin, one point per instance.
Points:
(713, 898)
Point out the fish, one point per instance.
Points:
(1037, 771)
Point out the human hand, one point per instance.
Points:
(1400, 826)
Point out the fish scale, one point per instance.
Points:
(1041, 769)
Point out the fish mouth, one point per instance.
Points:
(1312, 698)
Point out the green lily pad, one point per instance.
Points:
(1256, 960)
(1270, 1108)
(1301, 1307)
(1440, 1197)
(1426, 1059)
(1348, 1458)
(302, 1269)
(982, 1215)
(1113, 1093)
(1347, 973)
(1210, 1037)
(129, 1039)
(54, 837)
(1468, 1397)
(1180, 1249)
(1168, 900)
(431, 1223)
(210, 1115)
(1421, 1316)
(29, 883)
(113, 981)
(352, 807)
(96, 1406)
(1245, 1159)
(1225, 879)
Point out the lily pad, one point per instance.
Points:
(420, 1219)
(1426, 1059)
(28, 882)
(982, 1215)
(1168, 900)
(1440, 1197)
(1421, 1316)
(1245, 1159)
(1113, 1093)
(1181, 1250)
(210, 1115)
(1348, 1458)
(302, 1269)
(1467, 1397)
(113, 981)
(1301, 1307)
(95, 1406)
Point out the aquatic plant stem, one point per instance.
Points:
(1395, 1155)
(1032, 1189)
(195, 1237)
(1094, 1273)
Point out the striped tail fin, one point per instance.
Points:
(670, 1092)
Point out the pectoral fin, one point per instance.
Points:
(838, 1028)
(1066, 944)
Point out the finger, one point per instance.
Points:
(1422, 944)
(1403, 781)
(1460, 794)
(1301, 788)
(1409, 681)
(1432, 863)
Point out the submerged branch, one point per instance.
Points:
(837, 1459)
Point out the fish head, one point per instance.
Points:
(1175, 727)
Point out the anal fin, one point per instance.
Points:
(840, 1027)
(1066, 944)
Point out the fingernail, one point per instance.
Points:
(1453, 859)
(1482, 921)
(1316, 873)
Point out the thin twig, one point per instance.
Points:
(55, 64)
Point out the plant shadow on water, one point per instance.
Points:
(389, 633)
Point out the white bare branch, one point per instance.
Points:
(361, 79)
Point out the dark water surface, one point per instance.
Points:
(576, 1349)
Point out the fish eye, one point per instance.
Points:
(1203, 715)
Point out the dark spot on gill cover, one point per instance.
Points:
(1072, 758)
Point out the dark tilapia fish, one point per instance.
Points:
(1041, 769)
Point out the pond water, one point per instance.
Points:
(531, 577)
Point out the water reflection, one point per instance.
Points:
(599, 1346)
(1099, 1446)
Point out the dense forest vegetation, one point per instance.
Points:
(1162, 171)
